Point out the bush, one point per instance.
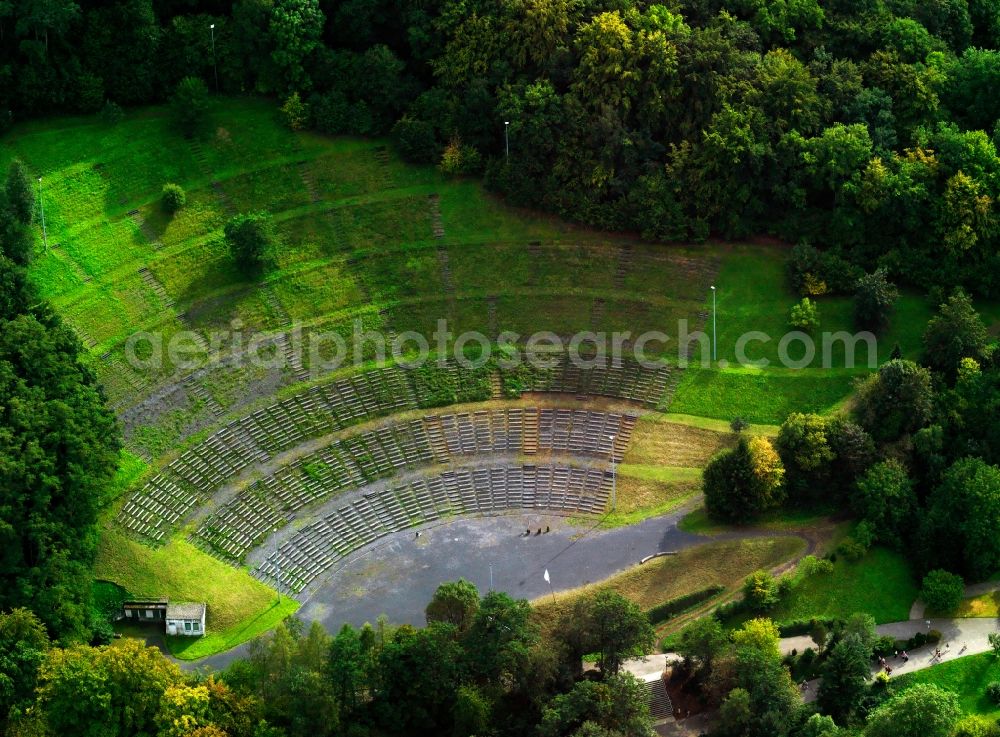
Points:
(173, 198)
(852, 550)
(942, 591)
(415, 141)
(804, 315)
(760, 592)
(813, 566)
(680, 604)
(797, 627)
(738, 425)
(190, 106)
(250, 238)
(812, 272)
(459, 158)
(112, 113)
(295, 113)
(332, 113)
(874, 298)
(993, 692)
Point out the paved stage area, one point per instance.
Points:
(398, 575)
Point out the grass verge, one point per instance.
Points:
(880, 584)
(967, 677)
(239, 606)
(661, 579)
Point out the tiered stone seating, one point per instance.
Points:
(242, 523)
(258, 437)
(314, 549)
(631, 380)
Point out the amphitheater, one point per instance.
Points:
(288, 468)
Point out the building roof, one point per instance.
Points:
(145, 604)
(185, 610)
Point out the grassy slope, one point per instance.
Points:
(240, 607)
(880, 584)
(726, 563)
(753, 296)
(968, 677)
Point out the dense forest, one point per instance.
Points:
(864, 128)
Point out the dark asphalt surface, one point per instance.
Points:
(398, 575)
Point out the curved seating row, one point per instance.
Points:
(246, 520)
(256, 438)
(314, 549)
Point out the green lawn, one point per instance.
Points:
(968, 677)
(763, 396)
(881, 584)
(239, 606)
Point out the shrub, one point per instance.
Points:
(976, 725)
(812, 272)
(760, 592)
(852, 550)
(333, 113)
(415, 141)
(797, 627)
(680, 604)
(738, 425)
(250, 238)
(295, 113)
(993, 691)
(112, 113)
(804, 315)
(190, 106)
(813, 566)
(874, 298)
(942, 591)
(459, 158)
(173, 198)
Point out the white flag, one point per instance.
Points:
(547, 576)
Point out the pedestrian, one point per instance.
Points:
(895, 653)
(527, 533)
(539, 531)
(546, 528)
(905, 657)
(417, 535)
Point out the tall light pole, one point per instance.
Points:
(215, 66)
(277, 558)
(614, 475)
(506, 139)
(41, 205)
(714, 340)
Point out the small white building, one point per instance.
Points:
(185, 619)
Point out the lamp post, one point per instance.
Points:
(215, 66)
(41, 205)
(714, 340)
(614, 475)
(506, 139)
(277, 561)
